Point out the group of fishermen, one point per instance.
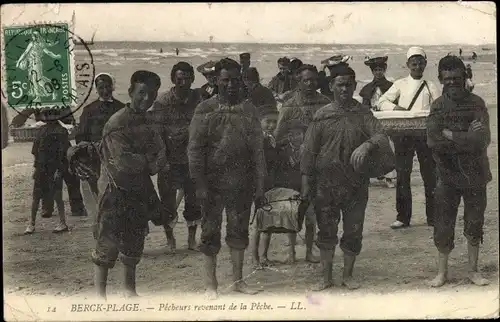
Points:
(212, 143)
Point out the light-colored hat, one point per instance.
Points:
(413, 51)
(110, 76)
(207, 68)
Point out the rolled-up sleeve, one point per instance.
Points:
(386, 101)
(312, 146)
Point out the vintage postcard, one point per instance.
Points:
(249, 161)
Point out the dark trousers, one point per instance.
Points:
(237, 204)
(75, 196)
(447, 202)
(329, 204)
(405, 148)
(168, 182)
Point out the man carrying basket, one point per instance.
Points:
(413, 94)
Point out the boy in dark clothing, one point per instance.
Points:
(268, 120)
(93, 118)
(283, 165)
(226, 161)
(49, 150)
(171, 115)
(337, 148)
(371, 93)
(131, 152)
(458, 132)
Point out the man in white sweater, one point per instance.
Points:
(412, 93)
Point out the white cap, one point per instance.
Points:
(415, 51)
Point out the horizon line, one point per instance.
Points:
(294, 43)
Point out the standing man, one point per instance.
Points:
(171, 115)
(131, 154)
(459, 134)
(412, 93)
(371, 94)
(282, 82)
(303, 103)
(226, 161)
(94, 117)
(245, 65)
(260, 96)
(338, 143)
(209, 89)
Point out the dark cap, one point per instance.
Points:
(245, 56)
(376, 61)
(207, 68)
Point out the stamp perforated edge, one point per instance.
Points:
(27, 25)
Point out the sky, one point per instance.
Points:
(429, 23)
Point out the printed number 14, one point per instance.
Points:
(51, 309)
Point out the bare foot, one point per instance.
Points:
(131, 294)
(438, 281)
(350, 283)
(290, 259)
(171, 246)
(266, 262)
(211, 294)
(311, 258)
(244, 288)
(321, 286)
(478, 279)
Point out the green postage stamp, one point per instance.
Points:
(39, 68)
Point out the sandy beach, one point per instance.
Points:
(60, 265)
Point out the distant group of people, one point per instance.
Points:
(227, 144)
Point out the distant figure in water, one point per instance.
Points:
(469, 84)
(177, 51)
(474, 56)
(161, 50)
(460, 52)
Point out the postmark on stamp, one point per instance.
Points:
(39, 68)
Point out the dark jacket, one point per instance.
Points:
(226, 146)
(461, 162)
(369, 89)
(50, 147)
(171, 118)
(280, 84)
(93, 118)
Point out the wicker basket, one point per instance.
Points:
(28, 134)
(403, 122)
